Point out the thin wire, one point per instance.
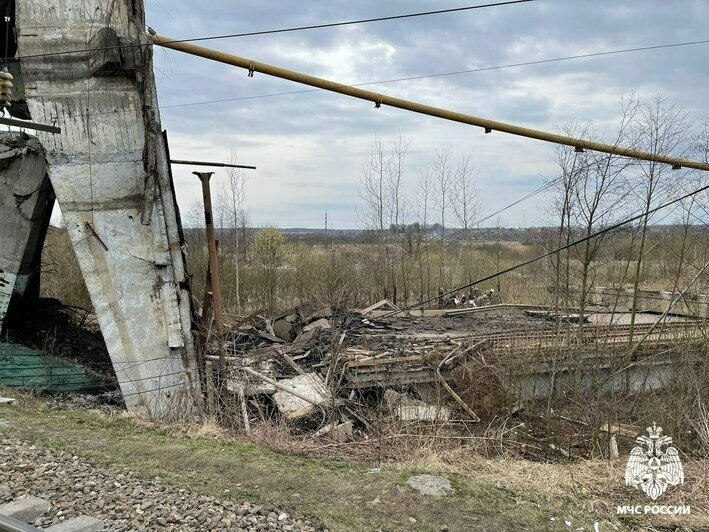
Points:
(359, 21)
(552, 252)
(159, 388)
(293, 29)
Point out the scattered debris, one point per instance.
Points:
(7, 400)
(340, 433)
(325, 364)
(554, 316)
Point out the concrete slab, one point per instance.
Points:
(26, 508)
(406, 408)
(82, 523)
(309, 385)
(26, 200)
(322, 323)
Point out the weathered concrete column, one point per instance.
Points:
(110, 175)
(26, 201)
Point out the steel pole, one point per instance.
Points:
(214, 277)
(381, 99)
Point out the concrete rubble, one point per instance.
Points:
(339, 375)
(332, 370)
(309, 385)
(406, 408)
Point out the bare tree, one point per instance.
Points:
(231, 199)
(658, 129)
(395, 179)
(424, 197)
(443, 177)
(700, 141)
(442, 173)
(465, 200)
(269, 253)
(376, 191)
(563, 206)
(373, 187)
(397, 207)
(600, 189)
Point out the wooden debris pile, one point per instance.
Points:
(316, 364)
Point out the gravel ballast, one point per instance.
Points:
(122, 500)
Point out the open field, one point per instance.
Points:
(358, 274)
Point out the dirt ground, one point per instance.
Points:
(498, 495)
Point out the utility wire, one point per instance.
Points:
(552, 252)
(359, 21)
(159, 388)
(292, 29)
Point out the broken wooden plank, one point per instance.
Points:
(289, 361)
(631, 431)
(384, 361)
(381, 304)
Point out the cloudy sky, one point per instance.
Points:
(309, 148)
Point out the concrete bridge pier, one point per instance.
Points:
(82, 67)
(26, 201)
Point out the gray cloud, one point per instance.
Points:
(309, 147)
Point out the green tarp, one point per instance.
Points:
(29, 369)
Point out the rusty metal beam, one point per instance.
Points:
(207, 163)
(381, 99)
(29, 125)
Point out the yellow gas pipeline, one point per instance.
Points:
(381, 99)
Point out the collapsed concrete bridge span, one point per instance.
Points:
(109, 171)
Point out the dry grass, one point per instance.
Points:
(593, 488)
(357, 275)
